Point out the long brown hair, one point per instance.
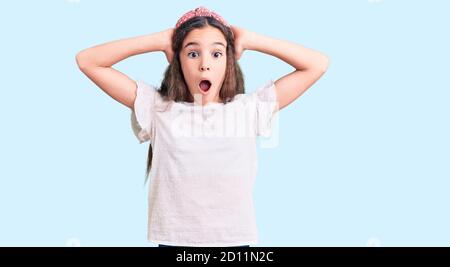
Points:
(174, 87)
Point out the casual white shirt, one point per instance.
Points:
(204, 165)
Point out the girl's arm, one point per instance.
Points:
(95, 62)
(309, 65)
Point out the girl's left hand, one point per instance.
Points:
(240, 40)
(166, 37)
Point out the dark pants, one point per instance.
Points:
(160, 245)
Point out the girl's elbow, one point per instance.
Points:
(79, 58)
(324, 63)
(82, 59)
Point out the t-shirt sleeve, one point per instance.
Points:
(142, 113)
(266, 104)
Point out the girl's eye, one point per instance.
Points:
(192, 53)
(217, 53)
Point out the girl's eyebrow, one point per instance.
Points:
(195, 43)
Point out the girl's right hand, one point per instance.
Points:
(240, 40)
(167, 41)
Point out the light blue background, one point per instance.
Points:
(363, 155)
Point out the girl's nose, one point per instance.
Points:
(203, 68)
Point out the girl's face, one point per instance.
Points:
(203, 58)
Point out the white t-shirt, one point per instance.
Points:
(204, 165)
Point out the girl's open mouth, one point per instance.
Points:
(204, 85)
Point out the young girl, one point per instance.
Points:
(200, 124)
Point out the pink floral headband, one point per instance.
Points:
(201, 12)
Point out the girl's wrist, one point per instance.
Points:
(165, 39)
(250, 40)
(154, 42)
